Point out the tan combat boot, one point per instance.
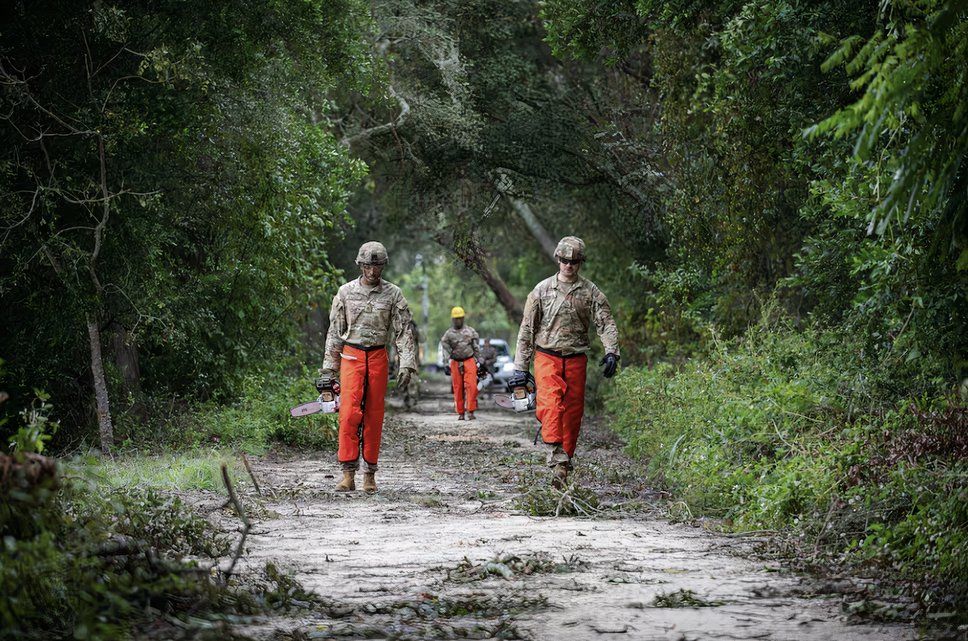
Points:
(348, 484)
(369, 482)
(560, 479)
(471, 417)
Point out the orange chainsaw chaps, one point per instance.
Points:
(464, 385)
(362, 377)
(561, 398)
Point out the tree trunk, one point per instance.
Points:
(474, 259)
(105, 429)
(125, 352)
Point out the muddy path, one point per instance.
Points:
(450, 547)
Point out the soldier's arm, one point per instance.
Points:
(476, 345)
(445, 347)
(525, 348)
(605, 323)
(334, 344)
(403, 337)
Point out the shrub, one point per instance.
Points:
(793, 430)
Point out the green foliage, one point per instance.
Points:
(36, 428)
(911, 119)
(80, 562)
(256, 418)
(798, 430)
(168, 175)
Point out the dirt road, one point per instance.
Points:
(450, 547)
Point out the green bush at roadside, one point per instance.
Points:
(256, 419)
(792, 431)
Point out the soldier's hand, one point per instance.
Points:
(403, 378)
(518, 379)
(609, 365)
(325, 377)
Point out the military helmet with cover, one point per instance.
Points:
(372, 253)
(571, 248)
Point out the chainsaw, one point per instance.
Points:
(483, 382)
(522, 396)
(327, 402)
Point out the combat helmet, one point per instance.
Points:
(372, 253)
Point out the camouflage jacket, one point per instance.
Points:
(558, 316)
(461, 343)
(369, 316)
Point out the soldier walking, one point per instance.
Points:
(459, 343)
(367, 313)
(558, 315)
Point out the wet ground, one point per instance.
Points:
(452, 547)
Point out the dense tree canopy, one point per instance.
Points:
(166, 183)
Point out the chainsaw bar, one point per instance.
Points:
(504, 400)
(306, 409)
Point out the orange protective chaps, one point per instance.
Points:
(465, 385)
(363, 385)
(561, 398)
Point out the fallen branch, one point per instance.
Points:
(248, 468)
(246, 526)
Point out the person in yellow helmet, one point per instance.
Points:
(459, 343)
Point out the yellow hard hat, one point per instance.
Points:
(457, 312)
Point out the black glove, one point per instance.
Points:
(447, 370)
(518, 379)
(610, 363)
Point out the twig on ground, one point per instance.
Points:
(248, 468)
(246, 526)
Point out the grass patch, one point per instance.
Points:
(179, 471)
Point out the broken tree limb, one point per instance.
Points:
(531, 222)
(246, 526)
(248, 468)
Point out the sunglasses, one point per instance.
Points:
(567, 261)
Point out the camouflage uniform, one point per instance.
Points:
(411, 392)
(461, 344)
(558, 317)
(369, 316)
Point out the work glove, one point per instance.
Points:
(447, 369)
(403, 378)
(518, 379)
(610, 364)
(326, 375)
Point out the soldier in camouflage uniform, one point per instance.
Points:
(558, 315)
(489, 356)
(366, 313)
(460, 346)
